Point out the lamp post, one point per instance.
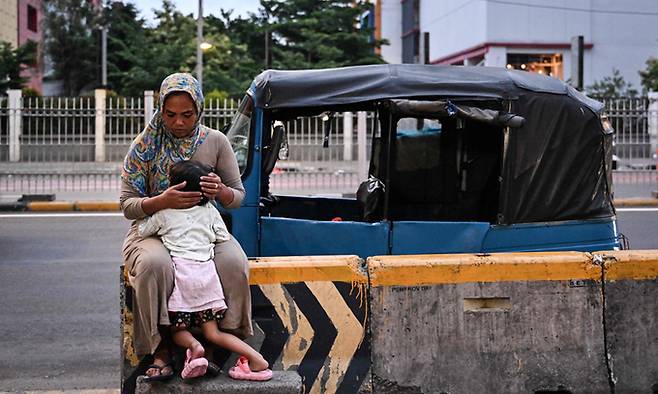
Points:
(199, 42)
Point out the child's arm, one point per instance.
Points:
(218, 225)
(150, 225)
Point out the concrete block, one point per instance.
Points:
(521, 323)
(631, 317)
(282, 382)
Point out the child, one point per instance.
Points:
(197, 299)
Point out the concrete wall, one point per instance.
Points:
(391, 30)
(454, 26)
(9, 21)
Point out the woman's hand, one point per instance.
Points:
(173, 197)
(213, 188)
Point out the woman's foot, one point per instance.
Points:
(161, 368)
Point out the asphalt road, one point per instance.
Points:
(59, 314)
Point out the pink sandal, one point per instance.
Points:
(241, 371)
(194, 368)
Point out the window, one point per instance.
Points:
(548, 64)
(31, 18)
(238, 132)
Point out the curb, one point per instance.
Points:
(636, 202)
(61, 206)
(112, 206)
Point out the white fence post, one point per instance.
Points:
(348, 131)
(362, 163)
(15, 123)
(100, 95)
(148, 106)
(653, 121)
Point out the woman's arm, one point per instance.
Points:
(135, 206)
(228, 171)
(224, 185)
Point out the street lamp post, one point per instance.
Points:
(199, 41)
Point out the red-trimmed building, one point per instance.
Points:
(20, 21)
(531, 35)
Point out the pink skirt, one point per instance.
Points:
(196, 287)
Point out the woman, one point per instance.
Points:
(174, 134)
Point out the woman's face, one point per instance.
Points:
(179, 114)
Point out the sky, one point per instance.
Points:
(239, 7)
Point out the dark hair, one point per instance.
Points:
(191, 172)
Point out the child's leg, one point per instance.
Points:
(234, 344)
(185, 339)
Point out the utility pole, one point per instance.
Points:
(199, 40)
(104, 57)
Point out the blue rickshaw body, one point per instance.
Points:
(522, 221)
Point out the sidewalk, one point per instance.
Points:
(106, 201)
(103, 183)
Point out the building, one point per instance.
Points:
(20, 21)
(532, 35)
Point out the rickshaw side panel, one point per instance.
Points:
(300, 237)
(577, 235)
(415, 237)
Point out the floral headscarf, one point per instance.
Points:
(155, 149)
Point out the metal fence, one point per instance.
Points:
(63, 130)
(4, 129)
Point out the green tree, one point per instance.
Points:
(650, 75)
(13, 61)
(126, 48)
(234, 59)
(318, 33)
(71, 42)
(611, 86)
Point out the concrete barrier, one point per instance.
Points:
(515, 323)
(310, 316)
(562, 322)
(631, 319)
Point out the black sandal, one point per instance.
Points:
(159, 377)
(213, 369)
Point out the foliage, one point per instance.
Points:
(306, 34)
(318, 34)
(71, 43)
(649, 76)
(611, 86)
(13, 61)
(29, 92)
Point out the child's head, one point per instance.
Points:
(191, 172)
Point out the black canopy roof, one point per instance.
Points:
(348, 85)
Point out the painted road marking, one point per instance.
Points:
(638, 209)
(59, 215)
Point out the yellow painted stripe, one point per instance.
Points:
(50, 206)
(268, 270)
(636, 202)
(349, 333)
(299, 328)
(630, 264)
(464, 268)
(96, 205)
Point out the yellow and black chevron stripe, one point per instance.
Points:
(317, 329)
(314, 318)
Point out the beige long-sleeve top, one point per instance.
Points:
(216, 152)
